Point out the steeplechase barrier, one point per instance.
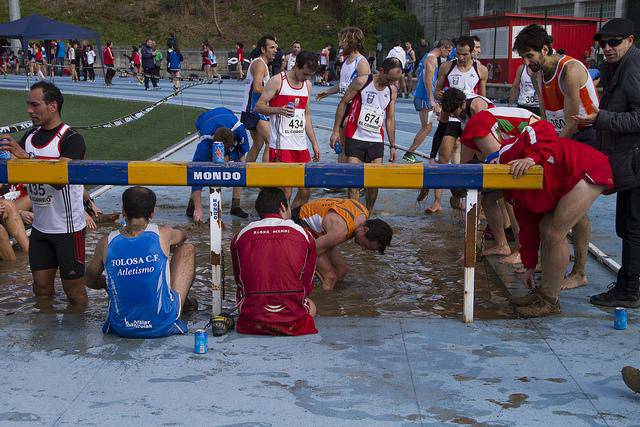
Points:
(472, 177)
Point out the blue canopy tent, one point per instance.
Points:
(36, 27)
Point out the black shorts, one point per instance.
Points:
(454, 129)
(366, 151)
(534, 110)
(64, 251)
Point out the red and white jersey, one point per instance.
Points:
(553, 95)
(467, 81)
(54, 211)
(274, 261)
(368, 113)
(502, 122)
(289, 133)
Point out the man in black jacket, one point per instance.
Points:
(618, 136)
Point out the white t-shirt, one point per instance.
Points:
(91, 57)
(398, 52)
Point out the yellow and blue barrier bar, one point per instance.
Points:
(330, 175)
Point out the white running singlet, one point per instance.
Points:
(348, 73)
(54, 211)
(368, 113)
(289, 133)
(467, 81)
(250, 98)
(527, 95)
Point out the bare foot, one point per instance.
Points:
(513, 258)
(574, 280)
(436, 207)
(497, 250)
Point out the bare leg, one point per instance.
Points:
(444, 157)
(14, 225)
(6, 250)
(578, 275)
(256, 145)
(43, 282)
(338, 262)
(354, 193)
(371, 194)
(75, 291)
(554, 229)
(425, 130)
(326, 273)
(496, 224)
(183, 269)
(514, 257)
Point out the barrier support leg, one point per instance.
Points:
(470, 233)
(215, 229)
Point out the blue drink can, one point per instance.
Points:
(4, 155)
(200, 341)
(338, 147)
(218, 152)
(620, 321)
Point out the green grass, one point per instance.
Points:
(161, 128)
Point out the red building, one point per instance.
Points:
(574, 35)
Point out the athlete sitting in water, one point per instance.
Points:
(333, 222)
(146, 292)
(273, 290)
(219, 124)
(11, 225)
(574, 176)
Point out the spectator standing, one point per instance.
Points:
(276, 64)
(240, 56)
(59, 58)
(397, 51)
(617, 126)
(172, 42)
(324, 62)
(148, 65)
(175, 64)
(91, 59)
(422, 48)
(409, 67)
(108, 61)
(135, 61)
(39, 61)
(157, 60)
(332, 63)
(71, 56)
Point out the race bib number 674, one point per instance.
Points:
(370, 118)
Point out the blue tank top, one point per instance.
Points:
(141, 302)
(421, 89)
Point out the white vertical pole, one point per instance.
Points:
(215, 229)
(470, 232)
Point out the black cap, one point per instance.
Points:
(616, 27)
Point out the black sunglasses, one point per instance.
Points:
(610, 42)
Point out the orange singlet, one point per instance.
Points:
(312, 214)
(553, 95)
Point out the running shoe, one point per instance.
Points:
(221, 324)
(237, 211)
(533, 296)
(616, 296)
(541, 308)
(409, 157)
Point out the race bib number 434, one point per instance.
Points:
(370, 118)
(295, 125)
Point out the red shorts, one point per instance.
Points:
(289, 156)
(302, 326)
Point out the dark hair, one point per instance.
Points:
(466, 41)
(533, 37)
(561, 52)
(397, 43)
(296, 41)
(389, 64)
(476, 38)
(240, 45)
(138, 202)
(308, 59)
(51, 93)
(224, 135)
(262, 43)
(452, 99)
(378, 231)
(269, 201)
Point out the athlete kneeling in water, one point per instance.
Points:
(333, 222)
(274, 260)
(146, 292)
(574, 176)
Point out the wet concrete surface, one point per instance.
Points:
(391, 348)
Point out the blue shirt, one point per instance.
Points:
(141, 302)
(207, 124)
(60, 50)
(175, 60)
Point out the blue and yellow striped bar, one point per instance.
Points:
(332, 175)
